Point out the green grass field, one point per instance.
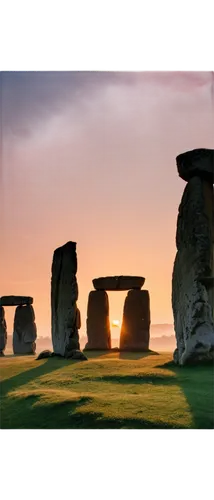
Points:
(109, 391)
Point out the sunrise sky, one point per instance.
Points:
(90, 157)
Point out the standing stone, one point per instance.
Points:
(98, 323)
(192, 280)
(135, 330)
(3, 331)
(24, 331)
(65, 317)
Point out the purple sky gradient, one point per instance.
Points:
(90, 157)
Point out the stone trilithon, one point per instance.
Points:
(193, 273)
(136, 315)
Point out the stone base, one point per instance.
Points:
(75, 354)
(22, 349)
(198, 349)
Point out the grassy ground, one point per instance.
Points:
(109, 391)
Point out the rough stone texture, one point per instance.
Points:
(24, 331)
(15, 300)
(135, 330)
(65, 316)
(3, 330)
(192, 281)
(198, 162)
(118, 282)
(98, 323)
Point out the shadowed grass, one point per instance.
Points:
(141, 391)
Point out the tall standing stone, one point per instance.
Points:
(98, 323)
(24, 331)
(65, 317)
(193, 272)
(3, 331)
(135, 330)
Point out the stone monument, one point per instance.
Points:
(65, 316)
(24, 330)
(193, 273)
(135, 329)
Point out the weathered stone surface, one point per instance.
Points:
(192, 289)
(3, 330)
(24, 331)
(118, 282)
(15, 300)
(135, 330)
(98, 323)
(65, 316)
(198, 162)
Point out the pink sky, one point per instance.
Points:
(90, 157)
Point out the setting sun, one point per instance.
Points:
(115, 322)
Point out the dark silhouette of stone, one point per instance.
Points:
(78, 319)
(118, 282)
(135, 330)
(3, 331)
(44, 354)
(73, 354)
(193, 272)
(98, 323)
(196, 163)
(24, 332)
(15, 300)
(65, 316)
(76, 354)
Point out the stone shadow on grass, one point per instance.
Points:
(197, 385)
(139, 379)
(23, 378)
(65, 415)
(136, 354)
